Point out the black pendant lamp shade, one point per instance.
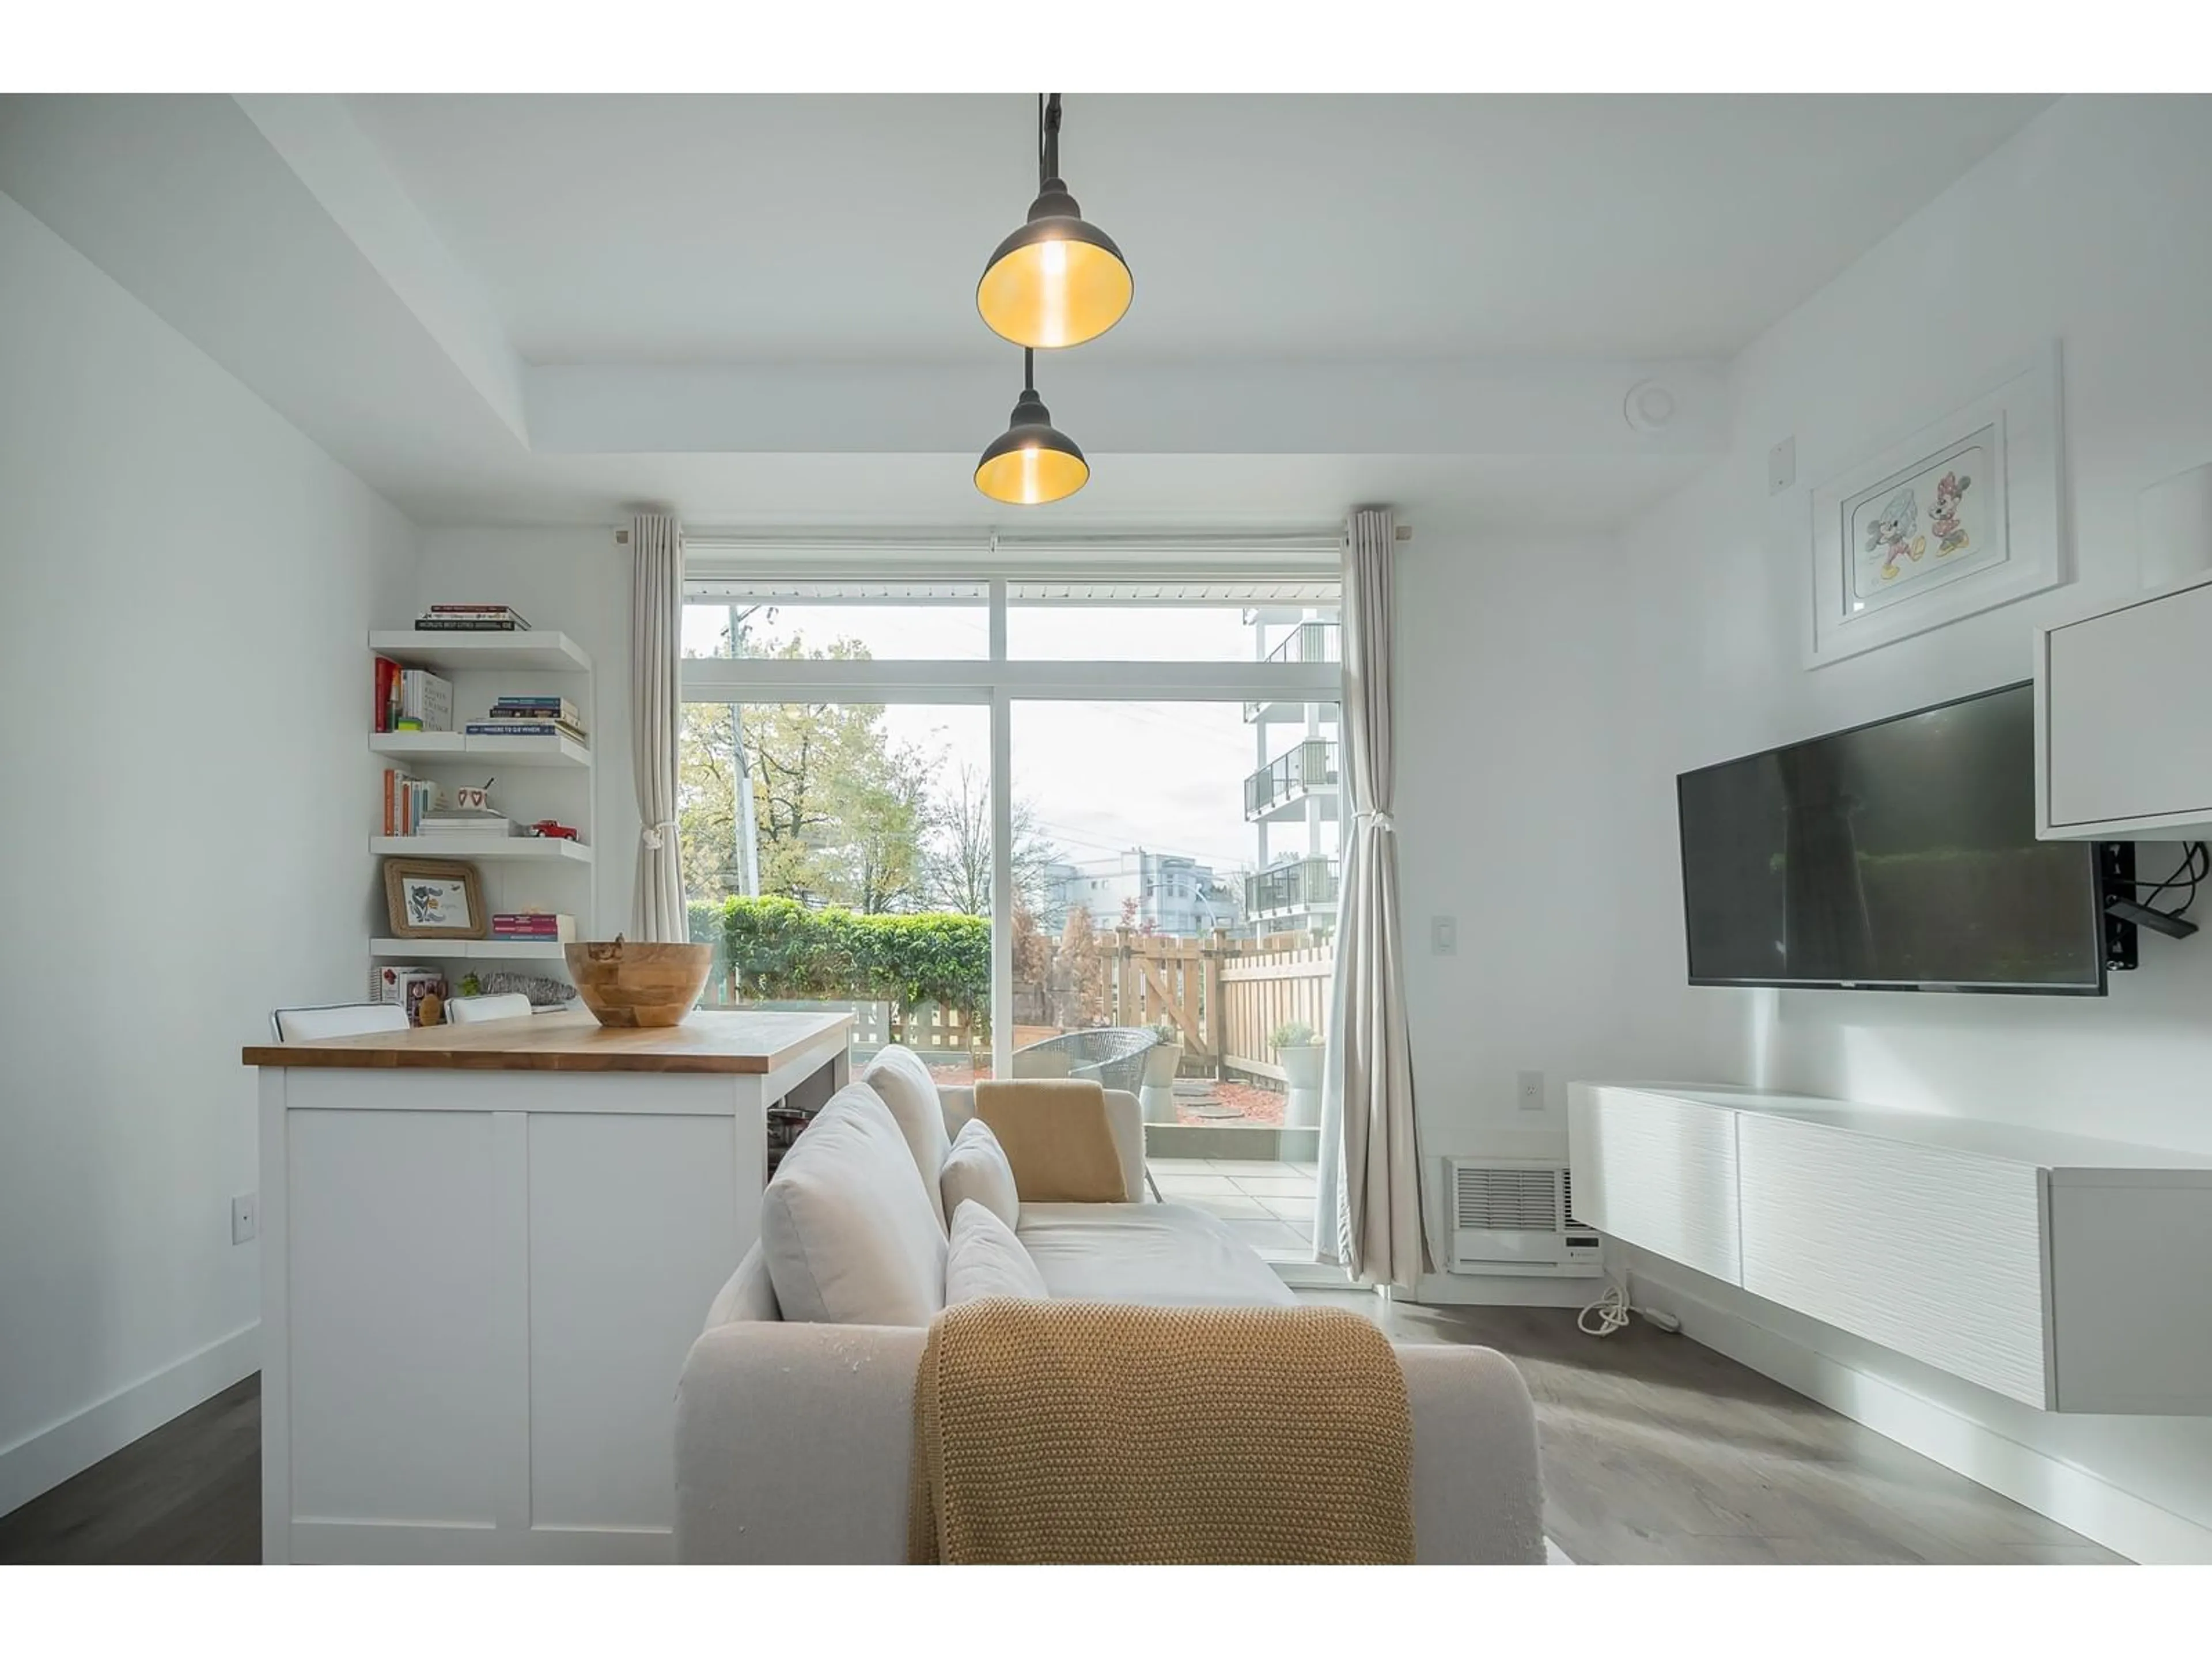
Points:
(1059, 280)
(1032, 462)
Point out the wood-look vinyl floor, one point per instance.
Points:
(1656, 1450)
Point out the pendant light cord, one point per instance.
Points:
(1029, 369)
(1048, 138)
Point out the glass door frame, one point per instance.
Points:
(998, 683)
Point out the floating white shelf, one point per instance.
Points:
(476, 845)
(481, 950)
(459, 746)
(459, 651)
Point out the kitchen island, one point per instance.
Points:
(486, 1249)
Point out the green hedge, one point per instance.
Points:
(782, 951)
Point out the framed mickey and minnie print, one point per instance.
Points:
(1958, 517)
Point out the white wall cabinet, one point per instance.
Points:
(2062, 1271)
(2123, 750)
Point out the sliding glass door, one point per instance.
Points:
(1038, 825)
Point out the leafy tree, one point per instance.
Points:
(840, 811)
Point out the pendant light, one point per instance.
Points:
(1032, 462)
(1059, 280)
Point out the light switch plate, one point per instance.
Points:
(244, 1217)
(1782, 466)
(1443, 936)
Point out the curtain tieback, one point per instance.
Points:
(654, 835)
(1380, 820)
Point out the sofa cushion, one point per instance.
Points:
(976, 1168)
(1168, 1256)
(899, 1077)
(986, 1259)
(850, 1235)
(748, 1296)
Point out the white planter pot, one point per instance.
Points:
(1157, 1096)
(1302, 1068)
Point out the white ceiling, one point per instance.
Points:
(773, 229)
(759, 310)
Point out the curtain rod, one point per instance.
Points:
(975, 541)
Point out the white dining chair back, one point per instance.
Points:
(463, 1011)
(338, 1019)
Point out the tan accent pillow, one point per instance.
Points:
(1055, 1133)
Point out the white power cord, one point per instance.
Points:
(1613, 1310)
(1606, 1315)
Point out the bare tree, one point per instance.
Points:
(958, 870)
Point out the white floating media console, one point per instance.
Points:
(2066, 1273)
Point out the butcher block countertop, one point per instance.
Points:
(706, 1043)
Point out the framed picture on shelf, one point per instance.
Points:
(1961, 517)
(435, 898)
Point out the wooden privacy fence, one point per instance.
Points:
(1262, 993)
(1224, 997)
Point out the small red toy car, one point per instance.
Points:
(554, 828)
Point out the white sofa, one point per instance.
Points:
(793, 1440)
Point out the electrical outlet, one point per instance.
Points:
(1531, 1091)
(1443, 936)
(244, 1217)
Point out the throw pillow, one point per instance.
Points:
(850, 1235)
(976, 1168)
(904, 1084)
(986, 1259)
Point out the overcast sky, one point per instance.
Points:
(1101, 777)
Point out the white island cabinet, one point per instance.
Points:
(486, 1250)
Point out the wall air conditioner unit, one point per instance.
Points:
(1513, 1215)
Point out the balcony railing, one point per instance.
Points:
(1290, 776)
(1305, 885)
(1310, 641)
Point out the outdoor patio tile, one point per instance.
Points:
(1192, 1186)
(1298, 1211)
(1164, 1167)
(1274, 1186)
(1233, 1166)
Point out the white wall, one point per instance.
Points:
(576, 581)
(2093, 225)
(184, 584)
(1507, 687)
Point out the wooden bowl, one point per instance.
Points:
(630, 985)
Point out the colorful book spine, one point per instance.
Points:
(468, 624)
(386, 695)
(524, 729)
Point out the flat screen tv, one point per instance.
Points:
(1896, 856)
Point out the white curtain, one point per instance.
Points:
(1370, 1203)
(656, 590)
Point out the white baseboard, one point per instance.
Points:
(1503, 1290)
(38, 1462)
(2065, 1492)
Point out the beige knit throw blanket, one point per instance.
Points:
(1073, 1433)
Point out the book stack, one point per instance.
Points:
(407, 803)
(471, 618)
(452, 820)
(412, 699)
(518, 715)
(537, 925)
